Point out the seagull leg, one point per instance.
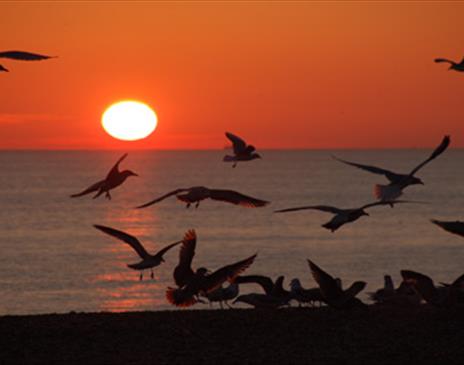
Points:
(227, 303)
(141, 276)
(187, 206)
(152, 275)
(234, 165)
(108, 195)
(197, 204)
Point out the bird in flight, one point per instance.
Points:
(22, 56)
(342, 216)
(111, 181)
(332, 292)
(453, 65)
(198, 193)
(191, 283)
(398, 181)
(148, 261)
(455, 227)
(242, 151)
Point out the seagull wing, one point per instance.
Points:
(130, 240)
(355, 288)
(238, 143)
(263, 281)
(390, 202)
(327, 284)
(161, 252)
(23, 56)
(234, 197)
(114, 172)
(453, 227)
(439, 60)
(183, 271)
(324, 208)
(157, 200)
(390, 175)
(91, 189)
(459, 282)
(437, 152)
(423, 284)
(229, 272)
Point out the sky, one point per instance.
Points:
(279, 74)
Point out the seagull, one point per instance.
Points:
(342, 216)
(242, 151)
(398, 181)
(404, 295)
(447, 295)
(302, 295)
(148, 261)
(270, 288)
(199, 193)
(22, 56)
(112, 180)
(332, 293)
(453, 65)
(222, 295)
(190, 284)
(455, 227)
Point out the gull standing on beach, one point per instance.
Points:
(342, 216)
(148, 261)
(198, 193)
(242, 151)
(192, 283)
(453, 65)
(22, 56)
(398, 181)
(112, 180)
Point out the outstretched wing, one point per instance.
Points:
(239, 144)
(161, 252)
(263, 281)
(324, 208)
(234, 197)
(390, 202)
(327, 284)
(229, 272)
(453, 227)
(390, 175)
(355, 288)
(438, 60)
(157, 200)
(24, 56)
(91, 189)
(183, 271)
(114, 172)
(437, 152)
(130, 240)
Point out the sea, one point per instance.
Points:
(52, 259)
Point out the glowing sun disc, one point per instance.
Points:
(129, 120)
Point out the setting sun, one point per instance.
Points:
(129, 120)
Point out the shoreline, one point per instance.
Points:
(381, 335)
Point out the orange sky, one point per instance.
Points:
(282, 75)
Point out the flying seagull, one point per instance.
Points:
(342, 216)
(242, 151)
(22, 56)
(453, 65)
(112, 180)
(199, 193)
(331, 291)
(455, 227)
(192, 283)
(398, 181)
(148, 261)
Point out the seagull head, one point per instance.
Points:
(416, 181)
(128, 173)
(202, 271)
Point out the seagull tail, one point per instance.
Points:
(179, 298)
(228, 158)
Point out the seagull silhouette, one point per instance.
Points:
(112, 180)
(404, 295)
(199, 193)
(331, 291)
(453, 65)
(302, 295)
(455, 227)
(242, 151)
(342, 216)
(398, 181)
(148, 261)
(192, 283)
(22, 56)
(222, 295)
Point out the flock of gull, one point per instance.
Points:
(199, 285)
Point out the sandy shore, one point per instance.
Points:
(308, 336)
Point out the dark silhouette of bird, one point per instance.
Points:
(148, 261)
(398, 181)
(453, 65)
(404, 295)
(455, 227)
(22, 56)
(270, 287)
(332, 292)
(242, 151)
(198, 193)
(342, 216)
(262, 301)
(223, 294)
(112, 180)
(444, 296)
(191, 283)
(305, 296)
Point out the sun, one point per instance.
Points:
(129, 120)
